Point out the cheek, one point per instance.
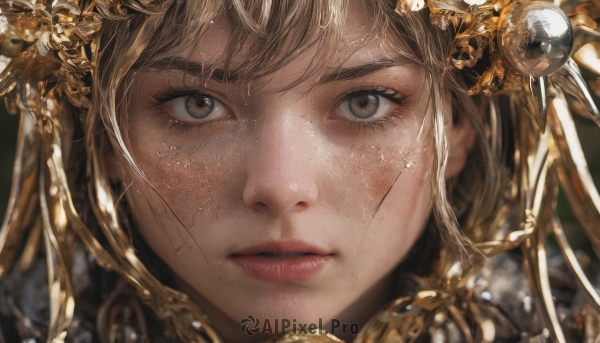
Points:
(194, 180)
(366, 173)
(387, 198)
(190, 183)
(184, 178)
(378, 167)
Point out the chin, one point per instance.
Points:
(299, 305)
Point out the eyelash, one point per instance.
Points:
(166, 119)
(382, 124)
(386, 121)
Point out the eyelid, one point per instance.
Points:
(174, 93)
(164, 102)
(390, 94)
(387, 93)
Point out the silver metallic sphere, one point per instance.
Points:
(535, 37)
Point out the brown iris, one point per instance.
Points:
(200, 106)
(363, 106)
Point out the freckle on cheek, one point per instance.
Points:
(188, 181)
(376, 167)
(371, 170)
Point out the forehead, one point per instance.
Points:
(351, 41)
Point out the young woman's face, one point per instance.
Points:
(293, 204)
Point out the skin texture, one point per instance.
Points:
(280, 166)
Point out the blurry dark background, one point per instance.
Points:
(589, 135)
(8, 136)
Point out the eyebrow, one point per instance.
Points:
(207, 71)
(350, 73)
(195, 69)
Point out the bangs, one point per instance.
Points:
(265, 35)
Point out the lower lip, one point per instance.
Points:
(291, 269)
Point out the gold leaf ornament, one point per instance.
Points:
(50, 40)
(407, 6)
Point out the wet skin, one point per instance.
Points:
(248, 176)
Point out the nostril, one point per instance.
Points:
(302, 204)
(261, 205)
(277, 200)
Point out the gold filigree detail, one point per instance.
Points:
(53, 40)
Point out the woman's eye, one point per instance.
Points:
(364, 107)
(197, 108)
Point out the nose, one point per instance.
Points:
(280, 176)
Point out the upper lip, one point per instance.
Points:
(282, 247)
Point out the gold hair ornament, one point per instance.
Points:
(529, 51)
(525, 42)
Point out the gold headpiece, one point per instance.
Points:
(520, 45)
(529, 51)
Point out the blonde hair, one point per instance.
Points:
(279, 30)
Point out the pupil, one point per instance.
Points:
(364, 106)
(202, 102)
(199, 106)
